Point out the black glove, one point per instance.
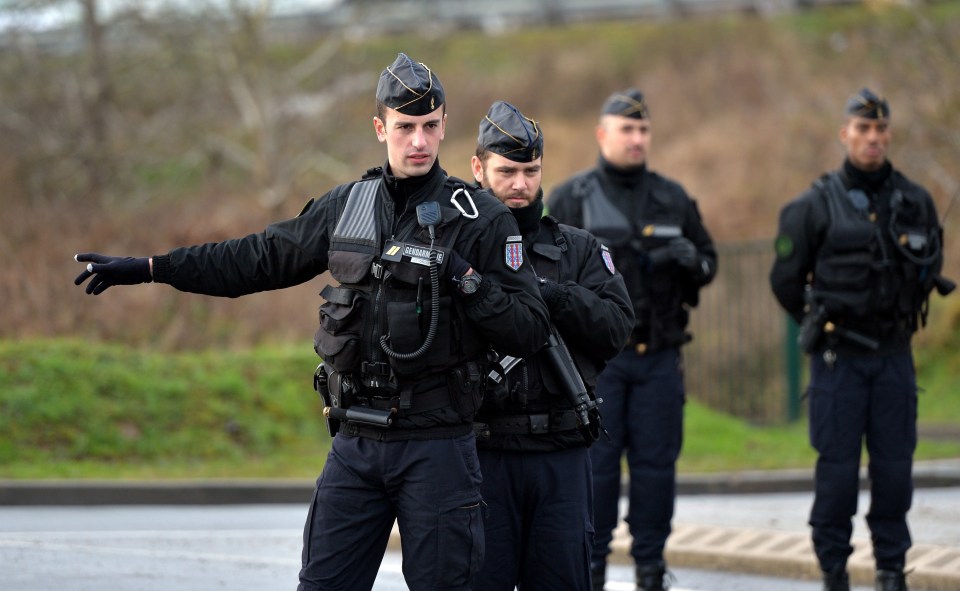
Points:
(107, 271)
(657, 257)
(457, 266)
(548, 289)
(683, 252)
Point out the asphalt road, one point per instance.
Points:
(198, 548)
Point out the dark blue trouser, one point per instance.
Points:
(431, 488)
(538, 530)
(642, 410)
(871, 398)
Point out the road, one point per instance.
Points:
(198, 548)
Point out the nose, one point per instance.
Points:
(519, 183)
(419, 139)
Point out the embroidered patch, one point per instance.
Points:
(607, 259)
(783, 246)
(513, 254)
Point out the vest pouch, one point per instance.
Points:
(408, 331)
(338, 339)
(846, 266)
(413, 264)
(349, 267)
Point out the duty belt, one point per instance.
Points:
(534, 424)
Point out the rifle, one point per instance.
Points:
(567, 378)
(567, 375)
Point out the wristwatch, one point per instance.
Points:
(470, 283)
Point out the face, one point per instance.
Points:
(624, 141)
(866, 142)
(515, 184)
(413, 142)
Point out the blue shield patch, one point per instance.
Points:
(513, 255)
(607, 260)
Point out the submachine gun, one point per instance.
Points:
(563, 369)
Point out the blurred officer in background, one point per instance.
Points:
(423, 293)
(858, 254)
(665, 255)
(532, 434)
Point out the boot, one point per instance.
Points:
(650, 576)
(836, 579)
(598, 575)
(891, 580)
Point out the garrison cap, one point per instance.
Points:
(505, 131)
(868, 105)
(628, 103)
(410, 87)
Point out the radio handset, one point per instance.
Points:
(428, 216)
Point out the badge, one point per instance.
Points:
(607, 259)
(513, 253)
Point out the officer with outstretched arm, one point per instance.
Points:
(423, 292)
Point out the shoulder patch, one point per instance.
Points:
(513, 252)
(607, 259)
(784, 246)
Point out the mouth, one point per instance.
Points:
(419, 158)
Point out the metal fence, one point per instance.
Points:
(743, 359)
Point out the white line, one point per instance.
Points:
(150, 553)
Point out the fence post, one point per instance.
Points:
(791, 352)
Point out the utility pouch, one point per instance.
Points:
(466, 389)
(338, 339)
(407, 325)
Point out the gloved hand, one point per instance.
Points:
(456, 266)
(683, 252)
(548, 289)
(107, 271)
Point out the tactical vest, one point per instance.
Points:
(869, 270)
(660, 299)
(378, 316)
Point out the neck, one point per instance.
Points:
(528, 218)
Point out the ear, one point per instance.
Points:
(843, 134)
(443, 125)
(477, 167)
(380, 130)
(600, 133)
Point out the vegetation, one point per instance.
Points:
(70, 409)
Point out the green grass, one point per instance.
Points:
(70, 409)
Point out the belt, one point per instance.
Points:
(536, 424)
(420, 401)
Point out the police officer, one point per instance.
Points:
(666, 255)
(857, 256)
(532, 441)
(423, 293)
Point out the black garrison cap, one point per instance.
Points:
(628, 103)
(410, 87)
(868, 105)
(507, 132)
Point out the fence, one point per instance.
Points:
(743, 359)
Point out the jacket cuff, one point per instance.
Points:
(161, 268)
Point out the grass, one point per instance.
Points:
(70, 409)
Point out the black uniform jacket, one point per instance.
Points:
(591, 309)
(507, 310)
(660, 295)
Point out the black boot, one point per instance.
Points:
(598, 575)
(650, 576)
(891, 580)
(836, 579)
